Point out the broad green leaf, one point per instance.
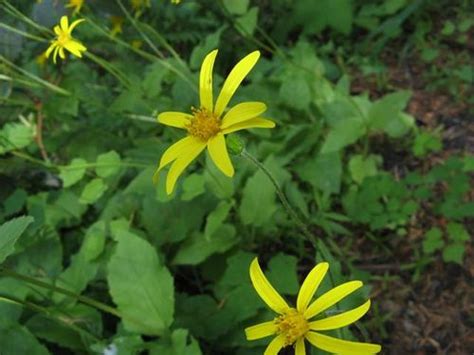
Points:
(360, 167)
(216, 218)
(457, 232)
(342, 134)
(196, 249)
(282, 273)
(179, 345)
(323, 172)
(433, 240)
(248, 22)
(236, 7)
(193, 186)
(454, 253)
(16, 339)
(16, 136)
(93, 191)
(73, 172)
(10, 232)
(141, 286)
(108, 164)
(294, 91)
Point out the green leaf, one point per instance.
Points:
(198, 248)
(236, 7)
(179, 345)
(426, 142)
(294, 91)
(216, 218)
(457, 232)
(93, 191)
(16, 136)
(316, 16)
(193, 186)
(10, 232)
(16, 339)
(248, 22)
(323, 172)
(342, 134)
(108, 164)
(73, 172)
(282, 273)
(433, 240)
(200, 51)
(454, 253)
(141, 286)
(360, 167)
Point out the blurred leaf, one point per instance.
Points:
(10, 232)
(248, 22)
(108, 164)
(193, 186)
(16, 136)
(16, 339)
(141, 286)
(216, 218)
(73, 172)
(360, 167)
(341, 135)
(198, 248)
(236, 7)
(454, 253)
(181, 343)
(323, 172)
(93, 191)
(282, 274)
(294, 91)
(433, 240)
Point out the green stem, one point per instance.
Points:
(86, 300)
(281, 195)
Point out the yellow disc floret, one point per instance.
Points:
(293, 325)
(204, 124)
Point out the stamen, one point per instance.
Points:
(293, 325)
(204, 124)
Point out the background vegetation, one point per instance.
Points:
(373, 147)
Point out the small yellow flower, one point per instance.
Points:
(176, 2)
(117, 22)
(293, 325)
(41, 59)
(139, 6)
(64, 40)
(208, 124)
(76, 4)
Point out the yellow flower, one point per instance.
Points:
(293, 325)
(64, 40)
(139, 5)
(208, 124)
(176, 2)
(76, 4)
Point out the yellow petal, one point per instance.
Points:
(174, 151)
(261, 330)
(174, 119)
(299, 347)
(57, 30)
(205, 80)
(265, 290)
(339, 346)
(74, 24)
(219, 155)
(340, 320)
(236, 76)
(50, 49)
(275, 345)
(64, 23)
(331, 298)
(74, 48)
(55, 54)
(180, 164)
(252, 123)
(243, 112)
(310, 285)
(61, 53)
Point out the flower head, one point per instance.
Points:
(117, 23)
(76, 4)
(64, 40)
(293, 325)
(207, 125)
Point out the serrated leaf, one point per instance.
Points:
(342, 134)
(433, 240)
(10, 232)
(141, 286)
(454, 253)
(282, 273)
(179, 345)
(216, 218)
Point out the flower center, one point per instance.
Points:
(63, 38)
(293, 325)
(204, 124)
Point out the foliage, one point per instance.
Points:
(124, 267)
